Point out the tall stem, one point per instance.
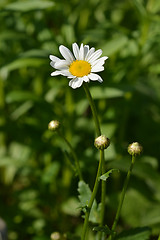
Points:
(122, 196)
(103, 195)
(101, 163)
(85, 226)
(93, 108)
(73, 154)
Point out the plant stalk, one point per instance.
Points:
(122, 197)
(85, 226)
(101, 168)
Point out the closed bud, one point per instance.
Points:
(135, 149)
(102, 142)
(54, 125)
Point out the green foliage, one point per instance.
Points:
(135, 234)
(84, 197)
(38, 188)
(106, 175)
(105, 230)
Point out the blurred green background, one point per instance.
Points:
(38, 189)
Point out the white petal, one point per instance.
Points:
(61, 64)
(90, 52)
(66, 53)
(95, 55)
(99, 61)
(75, 50)
(86, 50)
(66, 72)
(54, 58)
(93, 76)
(97, 69)
(100, 79)
(81, 52)
(52, 64)
(76, 83)
(85, 79)
(56, 73)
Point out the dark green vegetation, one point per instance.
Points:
(38, 189)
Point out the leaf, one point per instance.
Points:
(152, 215)
(105, 176)
(25, 6)
(22, 109)
(109, 92)
(104, 229)
(70, 207)
(84, 197)
(85, 193)
(142, 233)
(19, 96)
(35, 53)
(114, 45)
(155, 68)
(23, 62)
(50, 172)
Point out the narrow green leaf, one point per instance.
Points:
(22, 109)
(109, 92)
(114, 45)
(142, 233)
(106, 175)
(19, 96)
(23, 62)
(25, 6)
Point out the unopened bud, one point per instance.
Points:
(135, 149)
(102, 142)
(54, 125)
(55, 236)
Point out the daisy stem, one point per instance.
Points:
(103, 194)
(122, 197)
(102, 162)
(93, 108)
(87, 214)
(73, 154)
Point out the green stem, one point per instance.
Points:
(73, 154)
(85, 226)
(102, 163)
(159, 237)
(103, 195)
(93, 108)
(122, 197)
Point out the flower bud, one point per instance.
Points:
(55, 236)
(102, 142)
(135, 149)
(54, 125)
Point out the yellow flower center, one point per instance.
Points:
(80, 68)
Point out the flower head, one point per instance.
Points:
(102, 142)
(54, 125)
(80, 66)
(135, 149)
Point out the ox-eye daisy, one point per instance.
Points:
(81, 66)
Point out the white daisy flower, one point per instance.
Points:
(81, 66)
